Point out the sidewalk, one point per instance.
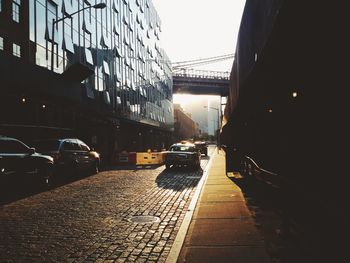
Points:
(221, 228)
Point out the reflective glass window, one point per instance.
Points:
(67, 7)
(40, 56)
(116, 5)
(88, 56)
(89, 86)
(106, 68)
(41, 24)
(16, 4)
(31, 20)
(88, 40)
(100, 83)
(118, 69)
(103, 41)
(106, 97)
(68, 43)
(87, 27)
(48, 32)
(16, 50)
(116, 28)
(1, 43)
(106, 39)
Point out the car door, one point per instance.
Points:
(16, 158)
(68, 151)
(85, 160)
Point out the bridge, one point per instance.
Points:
(201, 82)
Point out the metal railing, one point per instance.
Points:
(249, 168)
(202, 74)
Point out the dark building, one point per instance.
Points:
(108, 82)
(184, 127)
(287, 107)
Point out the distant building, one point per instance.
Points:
(198, 113)
(111, 82)
(184, 127)
(207, 119)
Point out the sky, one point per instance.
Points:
(196, 29)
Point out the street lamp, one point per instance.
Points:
(54, 22)
(217, 139)
(218, 114)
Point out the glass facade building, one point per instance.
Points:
(120, 43)
(114, 55)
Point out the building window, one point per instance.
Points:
(16, 50)
(88, 57)
(15, 10)
(1, 42)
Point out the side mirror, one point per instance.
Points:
(31, 151)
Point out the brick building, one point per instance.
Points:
(184, 127)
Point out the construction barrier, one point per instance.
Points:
(144, 158)
(125, 158)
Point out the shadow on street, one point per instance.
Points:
(11, 191)
(179, 178)
(131, 167)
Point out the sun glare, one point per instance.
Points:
(185, 99)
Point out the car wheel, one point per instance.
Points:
(95, 167)
(46, 176)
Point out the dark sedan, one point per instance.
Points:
(202, 147)
(184, 154)
(22, 164)
(71, 155)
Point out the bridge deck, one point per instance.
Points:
(200, 85)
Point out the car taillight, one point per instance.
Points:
(56, 156)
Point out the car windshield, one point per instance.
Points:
(47, 145)
(184, 148)
(12, 146)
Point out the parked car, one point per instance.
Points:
(183, 154)
(21, 164)
(202, 147)
(71, 155)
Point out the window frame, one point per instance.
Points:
(16, 10)
(15, 49)
(1, 41)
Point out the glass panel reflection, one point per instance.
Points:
(116, 51)
(88, 56)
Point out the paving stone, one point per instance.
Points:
(86, 220)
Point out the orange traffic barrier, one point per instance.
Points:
(144, 158)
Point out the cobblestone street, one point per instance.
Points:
(91, 219)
